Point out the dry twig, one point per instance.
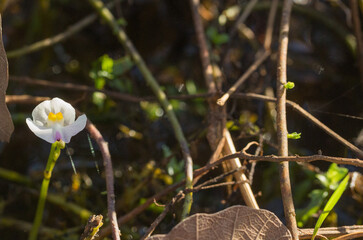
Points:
(107, 163)
(331, 232)
(221, 101)
(350, 236)
(358, 35)
(281, 125)
(53, 40)
(121, 35)
(308, 116)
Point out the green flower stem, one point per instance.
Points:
(121, 35)
(53, 156)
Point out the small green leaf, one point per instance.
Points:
(335, 174)
(294, 135)
(289, 85)
(122, 22)
(330, 204)
(216, 37)
(317, 197)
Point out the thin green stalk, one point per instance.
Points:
(53, 156)
(107, 16)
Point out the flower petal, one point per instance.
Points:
(69, 131)
(40, 113)
(43, 133)
(69, 114)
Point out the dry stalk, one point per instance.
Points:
(235, 163)
(285, 185)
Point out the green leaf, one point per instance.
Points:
(122, 22)
(289, 85)
(332, 177)
(106, 63)
(122, 65)
(317, 197)
(294, 135)
(98, 99)
(335, 174)
(215, 37)
(330, 204)
(152, 207)
(190, 86)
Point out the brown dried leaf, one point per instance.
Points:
(6, 123)
(237, 222)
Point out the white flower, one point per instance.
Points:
(53, 120)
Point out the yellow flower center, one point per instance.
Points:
(55, 117)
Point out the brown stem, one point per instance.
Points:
(221, 101)
(245, 187)
(285, 185)
(73, 87)
(350, 236)
(296, 107)
(158, 220)
(123, 38)
(331, 232)
(132, 214)
(27, 99)
(242, 18)
(181, 195)
(103, 145)
(358, 36)
(270, 25)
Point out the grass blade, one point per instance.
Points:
(330, 204)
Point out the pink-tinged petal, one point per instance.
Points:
(43, 133)
(69, 131)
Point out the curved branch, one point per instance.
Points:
(107, 16)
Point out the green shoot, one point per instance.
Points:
(330, 205)
(294, 135)
(289, 85)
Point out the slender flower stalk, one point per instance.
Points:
(52, 159)
(53, 121)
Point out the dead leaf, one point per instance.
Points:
(6, 123)
(237, 222)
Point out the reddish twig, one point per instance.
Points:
(24, 99)
(350, 236)
(242, 18)
(123, 38)
(203, 49)
(358, 35)
(221, 101)
(265, 53)
(270, 24)
(74, 87)
(71, 30)
(216, 114)
(331, 232)
(27, 99)
(281, 125)
(158, 220)
(181, 195)
(308, 116)
(103, 145)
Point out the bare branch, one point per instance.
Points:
(107, 163)
(281, 125)
(122, 37)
